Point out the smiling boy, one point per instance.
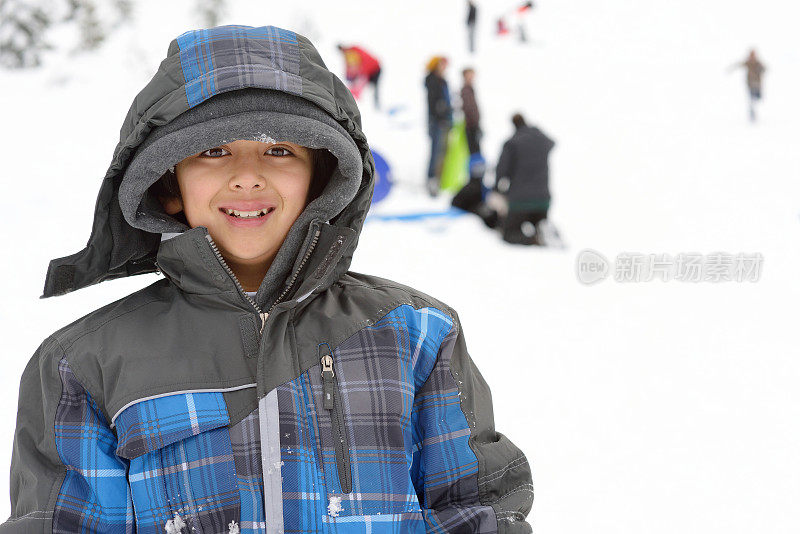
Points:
(248, 194)
(259, 386)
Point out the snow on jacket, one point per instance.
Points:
(523, 161)
(349, 405)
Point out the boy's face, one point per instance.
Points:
(247, 193)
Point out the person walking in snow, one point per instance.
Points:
(259, 386)
(440, 119)
(472, 19)
(522, 175)
(362, 68)
(755, 70)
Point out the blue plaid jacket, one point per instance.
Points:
(351, 407)
(399, 462)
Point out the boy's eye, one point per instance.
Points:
(279, 151)
(216, 152)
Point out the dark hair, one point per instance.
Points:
(323, 163)
(467, 71)
(518, 120)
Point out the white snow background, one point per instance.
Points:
(644, 407)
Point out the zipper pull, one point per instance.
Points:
(263, 316)
(327, 378)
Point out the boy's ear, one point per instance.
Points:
(172, 205)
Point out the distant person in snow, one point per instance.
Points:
(502, 27)
(522, 12)
(362, 68)
(755, 70)
(472, 19)
(440, 119)
(472, 115)
(519, 13)
(522, 175)
(470, 197)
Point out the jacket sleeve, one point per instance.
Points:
(468, 477)
(65, 475)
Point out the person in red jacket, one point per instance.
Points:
(362, 69)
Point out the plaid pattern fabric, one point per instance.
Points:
(395, 391)
(444, 466)
(94, 496)
(152, 424)
(182, 466)
(411, 464)
(246, 443)
(233, 57)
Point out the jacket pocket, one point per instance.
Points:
(182, 473)
(332, 405)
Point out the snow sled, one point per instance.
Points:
(455, 168)
(383, 178)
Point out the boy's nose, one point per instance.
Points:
(246, 179)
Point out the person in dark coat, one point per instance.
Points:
(522, 175)
(470, 197)
(440, 119)
(472, 115)
(472, 19)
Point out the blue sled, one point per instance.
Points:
(418, 216)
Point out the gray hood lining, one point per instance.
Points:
(297, 121)
(143, 211)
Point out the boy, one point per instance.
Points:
(260, 386)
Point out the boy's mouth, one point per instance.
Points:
(241, 214)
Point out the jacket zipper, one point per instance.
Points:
(218, 254)
(332, 403)
(285, 292)
(261, 314)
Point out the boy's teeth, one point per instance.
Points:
(246, 214)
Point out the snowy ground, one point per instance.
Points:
(645, 407)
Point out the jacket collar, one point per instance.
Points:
(190, 262)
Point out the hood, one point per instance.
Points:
(200, 65)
